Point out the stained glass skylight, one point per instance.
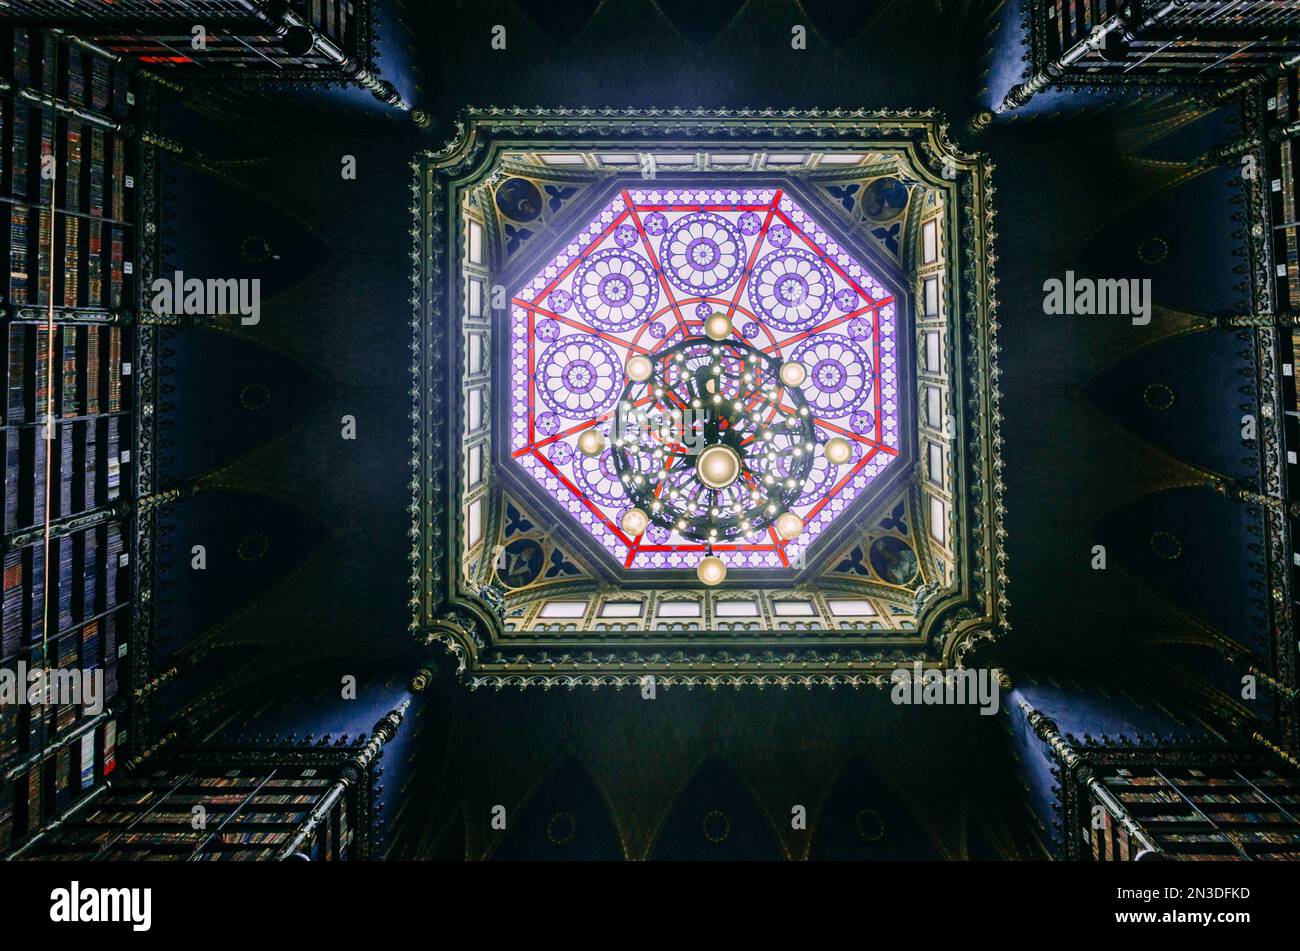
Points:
(642, 277)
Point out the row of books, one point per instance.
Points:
(86, 380)
(27, 135)
(65, 191)
(167, 44)
(29, 727)
(87, 577)
(1201, 778)
(84, 470)
(1201, 814)
(1294, 358)
(152, 816)
(87, 171)
(1284, 191)
(1169, 39)
(50, 787)
(91, 255)
(331, 18)
(1074, 19)
(33, 59)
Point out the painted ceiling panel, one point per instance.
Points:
(641, 278)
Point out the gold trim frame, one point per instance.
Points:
(447, 609)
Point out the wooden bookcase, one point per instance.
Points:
(1199, 814)
(1281, 138)
(1196, 44)
(213, 814)
(241, 39)
(67, 235)
(219, 804)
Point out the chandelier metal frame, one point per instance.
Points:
(703, 393)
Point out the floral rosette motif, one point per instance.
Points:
(702, 253)
(839, 374)
(792, 289)
(580, 377)
(598, 479)
(614, 290)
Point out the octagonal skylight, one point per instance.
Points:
(641, 277)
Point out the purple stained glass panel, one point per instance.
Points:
(644, 274)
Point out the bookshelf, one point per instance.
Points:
(1282, 155)
(212, 803)
(67, 210)
(1196, 41)
(207, 813)
(1157, 44)
(1283, 108)
(1200, 814)
(242, 40)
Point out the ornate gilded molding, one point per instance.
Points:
(449, 611)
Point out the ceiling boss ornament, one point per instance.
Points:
(716, 442)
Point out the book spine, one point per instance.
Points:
(35, 584)
(13, 479)
(117, 272)
(89, 589)
(65, 496)
(72, 170)
(46, 189)
(69, 404)
(91, 387)
(19, 256)
(117, 178)
(112, 565)
(71, 261)
(113, 479)
(11, 626)
(98, 163)
(89, 465)
(16, 408)
(114, 394)
(64, 551)
(20, 153)
(45, 256)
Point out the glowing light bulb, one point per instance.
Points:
(718, 466)
(789, 525)
(591, 442)
(711, 570)
(718, 327)
(635, 522)
(837, 450)
(639, 368)
(793, 373)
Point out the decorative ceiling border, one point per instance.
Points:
(1272, 437)
(468, 623)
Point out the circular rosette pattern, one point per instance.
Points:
(580, 377)
(792, 289)
(599, 480)
(702, 253)
(839, 374)
(614, 290)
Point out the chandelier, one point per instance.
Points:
(713, 439)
